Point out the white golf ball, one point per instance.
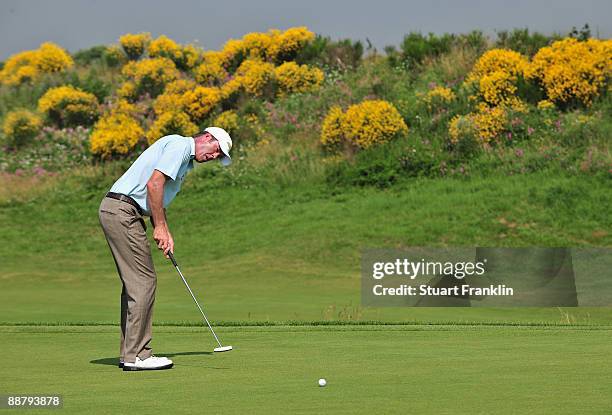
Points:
(322, 382)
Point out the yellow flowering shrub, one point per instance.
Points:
(19, 68)
(31, 64)
(256, 45)
(173, 98)
(174, 122)
(332, 131)
(545, 105)
(134, 45)
(495, 76)
(274, 46)
(190, 57)
(232, 49)
(372, 122)
(228, 120)
(116, 133)
(168, 102)
(163, 47)
(180, 86)
(127, 90)
(490, 122)
(68, 106)
(51, 58)
(255, 76)
(125, 107)
(292, 77)
(20, 125)
(498, 60)
(363, 125)
(212, 70)
(484, 126)
(286, 44)
(184, 57)
(573, 71)
(462, 128)
(200, 101)
(437, 97)
(230, 89)
(151, 75)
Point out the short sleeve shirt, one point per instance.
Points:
(172, 155)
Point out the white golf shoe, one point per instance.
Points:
(151, 363)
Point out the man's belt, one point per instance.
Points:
(125, 198)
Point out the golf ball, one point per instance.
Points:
(322, 382)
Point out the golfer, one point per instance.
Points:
(146, 189)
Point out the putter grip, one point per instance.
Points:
(172, 259)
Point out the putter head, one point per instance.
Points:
(223, 349)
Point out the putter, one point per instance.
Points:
(221, 348)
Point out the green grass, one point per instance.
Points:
(370, 369)
(289, 254)
(278, 270)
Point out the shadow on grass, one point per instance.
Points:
(113, 361)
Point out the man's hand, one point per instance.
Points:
(164, 240)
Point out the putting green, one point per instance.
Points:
(369, 369)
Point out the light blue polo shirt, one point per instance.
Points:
(172, 155)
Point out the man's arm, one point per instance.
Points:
(153, 221)
(155, 196)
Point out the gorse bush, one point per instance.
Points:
(150, 75)
(184, 57)
(228, 120)
(117, 132)
(32, 64)
(292, 78)
(212, 71)
(495, 77)
(171, 123)
(469, 109)
(362, 125)
(437, 98)
(134, 45)
(275, 47)
(573, 72)
(173, 98)
(20, 126)
(199, 102)
(256, 77)
(67, 106)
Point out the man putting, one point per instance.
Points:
(146, 189)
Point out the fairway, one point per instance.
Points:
(369, 369)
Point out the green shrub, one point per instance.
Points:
(384, 165)
(415, 47)
(90, 55)
(522, 41)
(322, 51)
(475, 40)
(92, 83)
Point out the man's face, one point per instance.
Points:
(207, 148)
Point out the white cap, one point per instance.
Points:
(225, 143)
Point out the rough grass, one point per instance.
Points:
(287, 253)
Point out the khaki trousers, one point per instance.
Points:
(125, 232)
